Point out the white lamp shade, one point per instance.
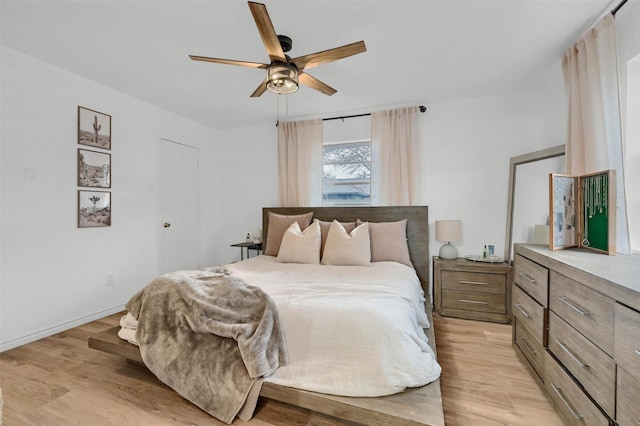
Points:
(449, 230)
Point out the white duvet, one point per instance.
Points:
(350, 330)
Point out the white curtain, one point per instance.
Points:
(300, 163)
(594, 134)
(396, 177)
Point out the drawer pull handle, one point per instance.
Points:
(638, 353)
(577, 416)
(526, 314)
(528, 277)
(526, 344)
(564, 347)
(477, 302)
(572, 306)
(472, 282)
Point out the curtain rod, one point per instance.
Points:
(618, 7)
(422, 108)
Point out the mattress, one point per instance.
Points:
(350, 330)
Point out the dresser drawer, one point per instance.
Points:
(572, 402)
(533, 278)
(588, 311)
(594, 369)
(529, 346)
(529, 313)
(472, 301)
(474, 281)
(627, 339)
(628, 408)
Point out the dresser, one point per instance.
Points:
(472, 290)
(576, 320)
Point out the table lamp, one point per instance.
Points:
(448, 230)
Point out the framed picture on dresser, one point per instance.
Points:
(582, 211)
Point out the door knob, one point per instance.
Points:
(166, 224)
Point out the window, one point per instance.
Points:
(346, 162)
(346, 174)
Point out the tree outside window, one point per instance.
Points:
(346, 174)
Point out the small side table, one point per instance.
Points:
(472, 290)
(249, 245)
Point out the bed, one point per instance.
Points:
(415, 405)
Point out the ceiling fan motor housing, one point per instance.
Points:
(285, 42)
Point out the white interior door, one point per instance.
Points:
(178, 181)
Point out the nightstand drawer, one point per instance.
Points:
(530, 347)
(627, 339)
(471, 301)
(589, 312)
(627, 407)
(532, 278)
(594, 369)
(571, 401)
(474, 281)
(529, 313)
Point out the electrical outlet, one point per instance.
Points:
(109, 280)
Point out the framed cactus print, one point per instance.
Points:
(94, 128)
(94, 209)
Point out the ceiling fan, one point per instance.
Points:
(283, 73)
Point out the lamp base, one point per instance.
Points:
(448, 251)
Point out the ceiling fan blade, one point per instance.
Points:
(315, 84)
(229, 62)
(267, 32)
(260, 89)
(314, 59)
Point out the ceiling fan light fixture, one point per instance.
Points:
(282, 78)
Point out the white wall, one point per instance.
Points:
(249, 172)
(469, 144)
(52, 274)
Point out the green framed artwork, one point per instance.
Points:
(582, 211)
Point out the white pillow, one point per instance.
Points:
(347, 249)
(300, 246)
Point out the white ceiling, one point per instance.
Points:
(418, 52)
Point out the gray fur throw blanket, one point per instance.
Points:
(209, 336)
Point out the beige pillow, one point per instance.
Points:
(279, 223)
(346, 249)
(324, 230)
(300, 246)
(389, 242)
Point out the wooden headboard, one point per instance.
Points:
(417, 227)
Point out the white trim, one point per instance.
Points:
(50, 331)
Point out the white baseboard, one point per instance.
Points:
(49, 331)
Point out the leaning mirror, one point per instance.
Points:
(528, 198)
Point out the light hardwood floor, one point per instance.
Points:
(60, 381)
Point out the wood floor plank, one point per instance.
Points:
(60, 381)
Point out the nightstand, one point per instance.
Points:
(249, 245)
(472, 290)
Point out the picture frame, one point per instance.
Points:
(598, 215)
(94, 209)
(94, 168)
(563, 212)
(94, 128)
(582, 211)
